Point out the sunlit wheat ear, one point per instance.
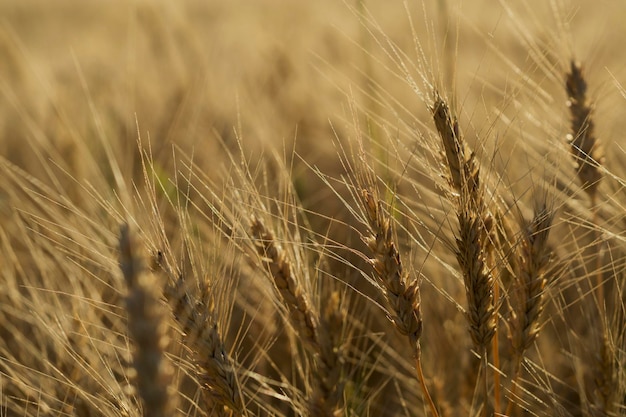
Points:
(528, 292)
(464, 177)
(464, 169)
(585, 146)
(475, 241)
(147, 329)
(313, 331)
(475, 225)
(477, 279)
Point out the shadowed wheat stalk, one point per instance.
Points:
(586, 149)
(529, 291)
(402, 292)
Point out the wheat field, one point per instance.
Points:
(333, 208)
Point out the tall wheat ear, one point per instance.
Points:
(475, 225)
(475, 237)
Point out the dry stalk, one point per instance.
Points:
(147, 328)
(319, 335)
(402, 294)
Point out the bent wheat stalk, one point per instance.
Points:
(313, 330)
(402, 294)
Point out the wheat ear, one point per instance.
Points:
(474, 226)
(464, 169)
(588, 153)
(529, 285)
(311, 329)
(402, 294)
(147, 328)
(585, 147)
(474, 241)
(216, 371)
(528, 292)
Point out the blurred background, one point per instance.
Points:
(78, 78)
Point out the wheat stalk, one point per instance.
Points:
(585, 146)
(314, 332)
(147, 328)
(214, 368)
(402, 293)
(475, 241)
(529, 289)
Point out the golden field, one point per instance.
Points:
(333, 208)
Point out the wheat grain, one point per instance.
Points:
(215, 369)
(402, 294)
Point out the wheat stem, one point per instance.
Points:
(402, 295)
(147, 328)
(313, 330)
